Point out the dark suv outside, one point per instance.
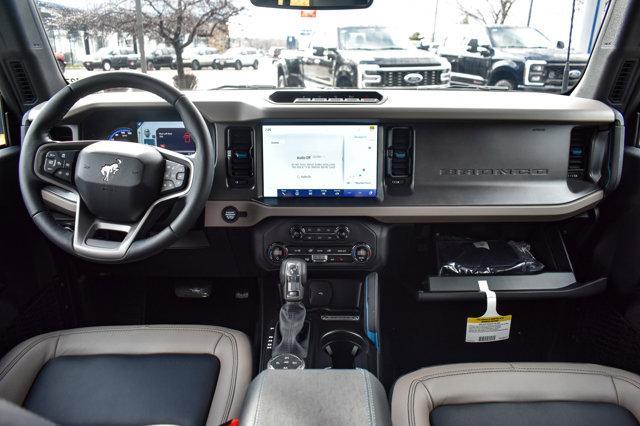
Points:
(363, 57)
(512, 57)
(160, 57)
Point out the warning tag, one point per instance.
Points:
(490, 327)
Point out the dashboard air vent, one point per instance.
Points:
(399, 157)
(23, 83)
(621, 84)
(579, 148)
(326, 97)
(240, 157)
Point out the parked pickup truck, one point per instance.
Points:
(511, 57)
(362, 57)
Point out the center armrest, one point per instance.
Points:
(305, 397)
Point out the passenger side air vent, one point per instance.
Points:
(620, 87)
(23, 83)
(326, 97)
(579, 148)
(240, 157)
(61, 133)
(399, 157)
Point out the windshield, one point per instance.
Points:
(518, 38)
(370, 38)
(516, 45)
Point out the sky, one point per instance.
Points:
(552, 17)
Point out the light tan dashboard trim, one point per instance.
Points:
(257, 212)
(219, 106)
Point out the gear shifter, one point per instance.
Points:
(293, 276)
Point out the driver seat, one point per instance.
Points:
(155, 374)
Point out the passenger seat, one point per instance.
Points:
(523, 394)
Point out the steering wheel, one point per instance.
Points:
(119, 185)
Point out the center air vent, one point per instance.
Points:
(579, 148)
(399, 157)
(240, 157)
(326, 97)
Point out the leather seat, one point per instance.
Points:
(160, 374)
(517, 393)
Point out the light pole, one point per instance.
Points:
(140, 35)
(435, 21)
(530, 9)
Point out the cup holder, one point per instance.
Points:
(344, 349)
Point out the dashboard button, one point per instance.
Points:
(230, 214)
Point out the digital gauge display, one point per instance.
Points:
(125, 134)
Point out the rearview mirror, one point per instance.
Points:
(318, 51)
(486, 51)
(560, 45)
(313, 4)
(472, 46)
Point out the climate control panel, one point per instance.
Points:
(359, 252)
(337, 244)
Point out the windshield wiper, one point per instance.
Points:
(455, 85)
(245, 86)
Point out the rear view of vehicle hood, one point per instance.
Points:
(549, 55)
(392, 57)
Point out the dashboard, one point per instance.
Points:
(409, 157)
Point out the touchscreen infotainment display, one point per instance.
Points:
(320, 160)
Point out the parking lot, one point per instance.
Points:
(208, 78)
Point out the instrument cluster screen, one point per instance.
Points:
(165, 134)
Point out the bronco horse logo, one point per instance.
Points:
(109, 170)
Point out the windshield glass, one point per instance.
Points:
(515, 45)
(507, 37)
(370, 38)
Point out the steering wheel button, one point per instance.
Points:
(51, 154)
(180, 176)
(168, 185)
(50, 166)
(63, 174)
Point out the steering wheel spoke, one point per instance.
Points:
(55, 162)
(97, 238)
(178, 174)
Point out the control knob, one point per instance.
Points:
(342, 232)
(361, 252)
(296, 233)
(277, 252)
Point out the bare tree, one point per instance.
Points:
(179, 22)
(486, 11)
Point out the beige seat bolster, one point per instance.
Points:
(19, 368)
(416, 394)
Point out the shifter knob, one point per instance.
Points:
(293, 276)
